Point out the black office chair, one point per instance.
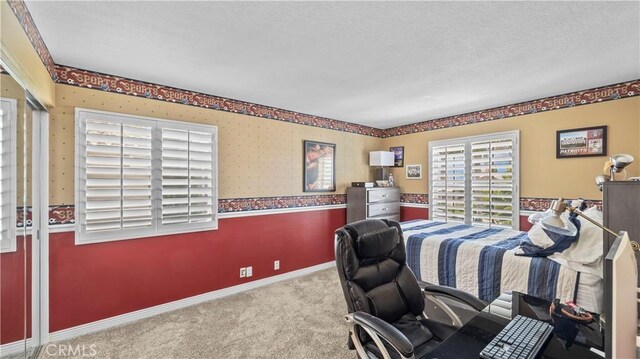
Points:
(386, 303)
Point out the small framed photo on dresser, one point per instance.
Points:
(581, 142)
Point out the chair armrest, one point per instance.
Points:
(462, 296)
(383, 329)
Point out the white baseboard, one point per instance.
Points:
(264, 212)
(178, 304)
(14, 347)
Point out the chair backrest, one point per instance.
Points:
(375, 278)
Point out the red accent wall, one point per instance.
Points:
(409, 213)
(12, 295)
(97, 281)
(525, 226)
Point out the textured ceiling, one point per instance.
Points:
(381, 64)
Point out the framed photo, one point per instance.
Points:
(398, 156)
(414, 171)
(319, 167)
(581, 142)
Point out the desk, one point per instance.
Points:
(469, 341)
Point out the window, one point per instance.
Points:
(474, 180)
(8, 119)
(139, 177)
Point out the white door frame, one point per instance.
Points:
(40, 229)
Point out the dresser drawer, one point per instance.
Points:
(383, 195)
(383, 209)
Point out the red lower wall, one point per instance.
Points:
(12, 292)
(409, 213)
(97, 281)
(524, 224)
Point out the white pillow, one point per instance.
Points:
(586, 253)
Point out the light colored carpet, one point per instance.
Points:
(299, 318)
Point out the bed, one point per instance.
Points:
(483, 261)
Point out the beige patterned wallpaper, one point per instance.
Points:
(257, 157)
(541, 174)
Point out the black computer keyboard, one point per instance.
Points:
(521, 338)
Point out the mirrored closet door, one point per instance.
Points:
(20, 247)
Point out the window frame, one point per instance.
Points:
(10, 245)
(515, 200)
(156, 229)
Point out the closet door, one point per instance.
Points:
(15, 239)
(23, 220)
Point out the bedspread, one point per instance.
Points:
(482, 261)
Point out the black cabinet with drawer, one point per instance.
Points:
(376, 202)
(621, 211)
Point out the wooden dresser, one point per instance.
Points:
(376, 202)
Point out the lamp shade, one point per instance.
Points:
(552, 221)
(619, 162)
(381, 158)
(556, 224)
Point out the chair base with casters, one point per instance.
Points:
(386, 304)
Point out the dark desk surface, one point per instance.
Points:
(469, 341)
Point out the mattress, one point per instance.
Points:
(482, 261)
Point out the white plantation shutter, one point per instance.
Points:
(492, 182)
(136, 177)
(8, 119)
(116, 194)
(201, 170)
(139, 177)
(187, 176)
(448, 184)
(474, 180)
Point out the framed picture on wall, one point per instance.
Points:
(319, 167)
(414, 171)
(398, 156)
(581, 142)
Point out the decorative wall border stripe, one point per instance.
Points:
(232, 207)
(65, 214)
(104, 82)
(542, 204)
(414, 198)
(268, 203)
(536, 204)
(19, 8)
(585, 97)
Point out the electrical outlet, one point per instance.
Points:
(243, 272)
(276, 265)
(249, 271)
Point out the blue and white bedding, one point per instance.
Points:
(482, 261)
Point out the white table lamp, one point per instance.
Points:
(381, 159)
